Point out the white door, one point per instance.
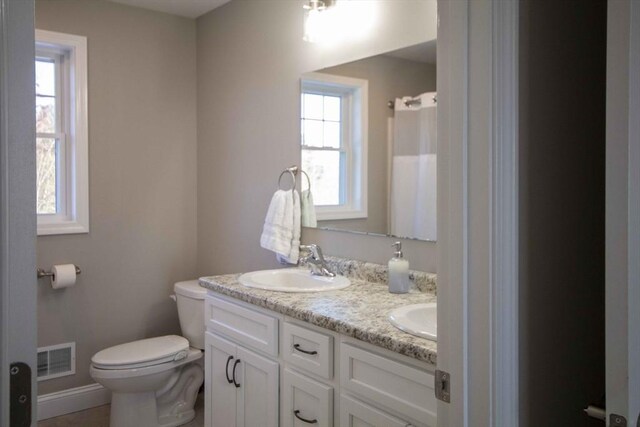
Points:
(18, 283)
(623, 214)
(220, 361)
(257, 378)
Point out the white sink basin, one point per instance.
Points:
(292, 280)
(417, 319)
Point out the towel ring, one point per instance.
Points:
(293, 170)
(308, 181)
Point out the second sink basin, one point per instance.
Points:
(417, 319)
(292, 280)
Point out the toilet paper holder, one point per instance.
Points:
(41, 273)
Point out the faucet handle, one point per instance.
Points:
(312, 249)
(318, 253)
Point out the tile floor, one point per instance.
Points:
(99, 417)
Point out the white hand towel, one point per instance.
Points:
(294, 252)
(281, 232)
(308, 210)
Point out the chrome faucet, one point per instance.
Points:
(316, 260)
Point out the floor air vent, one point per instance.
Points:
(56, 361)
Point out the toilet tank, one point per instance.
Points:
(190, 301)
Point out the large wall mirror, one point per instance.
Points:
(368, 143)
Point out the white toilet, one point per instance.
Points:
(155, 382)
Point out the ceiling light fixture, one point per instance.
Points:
(313, 19)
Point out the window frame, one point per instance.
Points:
(72, 189)
(354, 124)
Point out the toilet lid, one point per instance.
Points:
(147, 352)
(190, 288)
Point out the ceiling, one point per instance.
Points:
(423, 52)
(186, 8)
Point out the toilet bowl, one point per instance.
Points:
(154, 382)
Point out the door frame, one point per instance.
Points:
(622, 276)
(478, 211)
(477, 204)
(18, 330)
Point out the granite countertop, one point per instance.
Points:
(359, 311)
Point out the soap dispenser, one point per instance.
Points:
(398, 272)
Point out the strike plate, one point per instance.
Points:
(617, 421)
(443, 386)
(20, 395)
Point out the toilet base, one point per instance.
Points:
(170, 405)
(175, 421)
(139, 410)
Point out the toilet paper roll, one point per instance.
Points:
(64, 275)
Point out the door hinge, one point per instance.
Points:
(443, 386)
(20, 394)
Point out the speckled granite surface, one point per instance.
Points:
(359, 311)
(377, 273)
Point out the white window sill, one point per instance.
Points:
(327, 214)
(61, 227)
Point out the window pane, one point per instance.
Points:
(45, 114)
(45, 77)
(323, 168)
(332, 134)
(312, 106)
(46, 175)
(332, 108)
(312, 133)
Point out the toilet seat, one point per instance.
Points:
(142, 353)
(97, 373)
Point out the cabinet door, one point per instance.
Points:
(306, 402)
(258, 391)
(391, 384)
(354, 413)
(220, 356)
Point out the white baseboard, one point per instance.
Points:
(72, 400)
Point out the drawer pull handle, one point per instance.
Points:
(297, 347)
(235, 364)
(226, 370)
(297, 414)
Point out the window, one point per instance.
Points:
(61, 133)
(334, 144)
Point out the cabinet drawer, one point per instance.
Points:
(306, 401)
(308, 350)
(389, 383)
(354, 413)
(248, 327)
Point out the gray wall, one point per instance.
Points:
(562, 161)
(142, 166)
(250, 58)
(388, 78)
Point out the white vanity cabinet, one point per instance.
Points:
(305, 401)
(241, 367)
(241, 386)
(354, 413)
(292, 374)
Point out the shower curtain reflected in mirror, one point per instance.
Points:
(412, 207)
